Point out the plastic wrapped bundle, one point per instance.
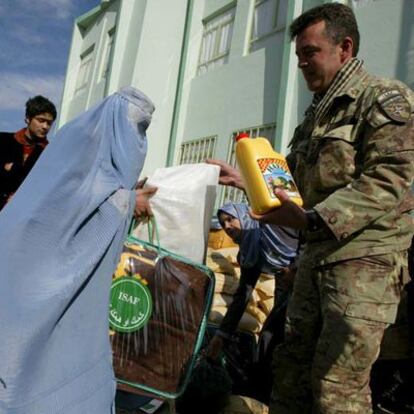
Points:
(159, 304)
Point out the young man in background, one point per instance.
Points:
(20, 150)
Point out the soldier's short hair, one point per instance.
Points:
(39, 105)
(339, 19)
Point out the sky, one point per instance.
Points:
(35, 38)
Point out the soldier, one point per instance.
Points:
(353, 161)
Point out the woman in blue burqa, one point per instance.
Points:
(62, 234)
(263, 248)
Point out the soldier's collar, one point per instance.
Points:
(356, 86)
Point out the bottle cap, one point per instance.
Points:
(242, 135)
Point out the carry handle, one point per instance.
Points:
(152, 231)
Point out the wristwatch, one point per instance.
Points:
(315, 221)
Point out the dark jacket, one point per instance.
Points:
(13, 166)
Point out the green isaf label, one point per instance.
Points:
(130, 305)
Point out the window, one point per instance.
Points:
(231, 194)
(215, 46)
(198, 150)
(360, 3)
(107, 56)
(85, 69)
(269, 17)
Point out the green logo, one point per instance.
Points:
(130, 305)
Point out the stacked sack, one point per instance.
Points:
(238, 404)
(223, 262)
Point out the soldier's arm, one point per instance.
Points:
(385, 180)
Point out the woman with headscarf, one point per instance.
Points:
(265, 249)
(62, 234)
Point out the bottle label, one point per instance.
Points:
(276, 174)
(130, 304)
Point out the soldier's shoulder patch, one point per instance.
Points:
(395, 105)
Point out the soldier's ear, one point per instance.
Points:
(27, 121)
(347, 48)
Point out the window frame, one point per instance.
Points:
(216, 55)
(275, 29)
(106, 59)
(84, 75)
(199, 150)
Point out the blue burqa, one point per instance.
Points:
(61, 236)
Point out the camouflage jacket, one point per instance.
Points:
(355, 167)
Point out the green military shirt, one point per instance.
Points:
(355, 167)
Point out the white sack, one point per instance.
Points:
(183, 206)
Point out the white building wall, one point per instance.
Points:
(129, 24)
(156, 71)
(251, 89)
(83, 39)
(146, 54)
(240, 94)
(387, 37)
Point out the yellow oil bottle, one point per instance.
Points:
(263, 170)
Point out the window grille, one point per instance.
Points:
(85, 69)
(107, 56)
(215, 45)
(269, 17)
(231, 194)
(359, 3)
(198, 150)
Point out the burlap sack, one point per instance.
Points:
(238, 404)
(257, 313)
(248, 323)
(227, 273)
(225, 284)
(266, 305)
(266, 287)
(217, 262)
(221, 299)
(218, 239)
(230, 253)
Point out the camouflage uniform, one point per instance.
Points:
(354, 165)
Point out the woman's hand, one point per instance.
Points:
(142, 205)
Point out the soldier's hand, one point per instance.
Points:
(142, 205)
(228, 174)
(287, 214)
